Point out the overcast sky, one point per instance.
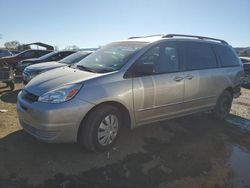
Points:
(90, 23)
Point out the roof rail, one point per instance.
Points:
(194, 36)
(160, 35)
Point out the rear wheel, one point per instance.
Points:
(100, 129)
(223, 105)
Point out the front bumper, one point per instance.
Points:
(52, 122)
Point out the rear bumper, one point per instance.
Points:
(52, 122)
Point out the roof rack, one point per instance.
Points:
(194, 36)
(160, 35)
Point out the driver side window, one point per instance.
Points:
(157, 60)
(151, 57)
(146, 64)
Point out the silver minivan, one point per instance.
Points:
(131, 83)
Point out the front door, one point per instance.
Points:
(160, 94)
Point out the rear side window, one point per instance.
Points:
(198, 56)
(28, 54)
(227, 56)
(41, 53)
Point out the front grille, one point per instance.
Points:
(46, 135)
(29, 96)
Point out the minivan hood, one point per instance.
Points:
(45, 66)
(56, 78)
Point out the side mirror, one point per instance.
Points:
(144, 69)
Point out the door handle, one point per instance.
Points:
(178, 78)
(189, 76)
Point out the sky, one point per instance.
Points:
(91, 23)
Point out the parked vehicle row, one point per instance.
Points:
(52, 56)
(130, 83)
(36, 69)
(12, 61)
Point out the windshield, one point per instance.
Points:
(44, 57)
(110, 57)
(74, 58)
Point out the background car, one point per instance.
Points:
(5, 52)
(33, 70)
(246, 65)
(53, 56)
(13, 60)
(14, 52)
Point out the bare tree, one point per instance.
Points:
(12, 45)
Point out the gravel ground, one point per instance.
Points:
(193, 151)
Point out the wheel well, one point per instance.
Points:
(124, 111)
(230, 89)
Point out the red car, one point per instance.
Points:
(28, 54)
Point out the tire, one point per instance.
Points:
(11, 85)
(98, 123)
(223, 105)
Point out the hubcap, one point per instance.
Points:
(107, 130)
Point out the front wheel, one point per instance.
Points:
(11, 85)
(100, 129)
(223, 105)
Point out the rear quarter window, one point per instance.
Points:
(198, 56)
(227, 56)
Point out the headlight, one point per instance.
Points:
(61, 94)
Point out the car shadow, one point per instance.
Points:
(148, 156)
(9, 97)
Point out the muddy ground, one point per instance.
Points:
(196, 151)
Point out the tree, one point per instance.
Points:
(13, 45)
(22, 47)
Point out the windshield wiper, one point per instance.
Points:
(81, 67)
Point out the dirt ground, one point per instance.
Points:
(196, 151)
